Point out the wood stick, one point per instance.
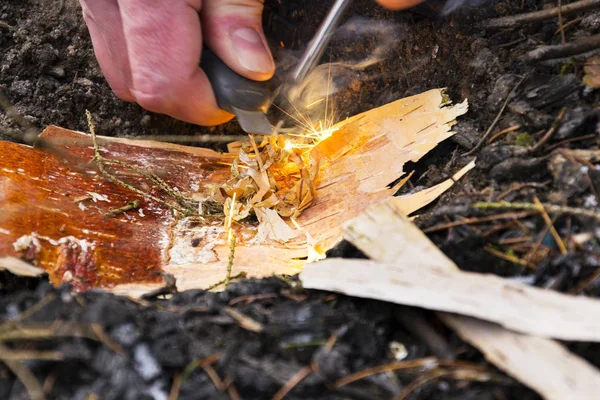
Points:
(537, 16)
(580, 46)
(414, 281)
(544, 365)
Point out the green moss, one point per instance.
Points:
(567, 67)
(524, 139)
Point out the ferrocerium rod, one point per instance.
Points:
(317, 45)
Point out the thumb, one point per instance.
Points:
(233, 30)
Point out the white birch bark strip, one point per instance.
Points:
(413, 281)
(379, 233)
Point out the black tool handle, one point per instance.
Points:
(233, 90)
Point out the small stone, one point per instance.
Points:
(84, 82)
(145, 364)
(591, 21)
(57, 72)
(145, 122)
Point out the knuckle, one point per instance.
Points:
(152, 101)
(152, 92)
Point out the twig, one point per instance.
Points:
(190, 139)
(567, 25)
(230, 239)
(427, 363)
(515, 240)
(563, 39)
(550, 208)
(175, 388)
(182, 200)
(536, 246)
(251, 298)
(550, 131)
(503, 132)
(523, 19)
(420, 382)
(519, 186)
(231, 390)
(587, 282)
(548, 221)
(224, 281)
(460, 374)
(200, 364)
(470, 221)
(49, 298)
(567, 50)
(25, 355)
(294, 380)
(507, 257)
(493, 125)
(17, 331)
(7, 26)
(33, 387)
(100, 160)
(132, 205)
(244, 321)
(214, 377)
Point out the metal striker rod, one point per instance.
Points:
(317, 45)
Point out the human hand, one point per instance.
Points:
(149, 50)
(399, 4)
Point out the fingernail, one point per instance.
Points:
(251, 51)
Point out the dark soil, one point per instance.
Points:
(48, 72)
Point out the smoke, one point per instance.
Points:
(453, 5)
(358, 44)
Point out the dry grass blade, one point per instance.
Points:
(548, 221)
(459, 374)
(33, 387)
(294, 380)
(422, 363)
(24, 355)
(10, 331)
(244, 321)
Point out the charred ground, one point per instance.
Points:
(48, 72)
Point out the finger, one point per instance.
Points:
(164, 43)
(399, 4)
(106, 31)
(233, 30)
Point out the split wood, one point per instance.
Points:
(523, 19)
(385, 234)
(419, 283)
